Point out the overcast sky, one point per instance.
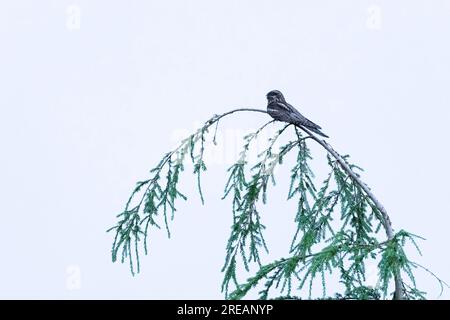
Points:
(95, 92)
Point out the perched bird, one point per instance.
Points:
(279, 109)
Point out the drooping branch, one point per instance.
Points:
(398, 295)
(156, 196)
(140, 211)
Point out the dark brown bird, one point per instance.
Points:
(279, 109)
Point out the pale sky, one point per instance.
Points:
(95, 92)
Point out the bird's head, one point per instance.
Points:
(274, 96)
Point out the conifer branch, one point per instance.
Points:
(134, 222)
(386, 220)
(344, 249)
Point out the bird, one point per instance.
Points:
(280, 110)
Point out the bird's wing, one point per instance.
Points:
(284, 106)
(301, 120)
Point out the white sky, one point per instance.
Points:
(94, 92)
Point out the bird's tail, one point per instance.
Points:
(320, 133)
(313, 129)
